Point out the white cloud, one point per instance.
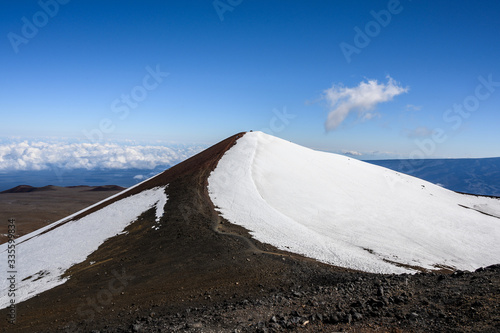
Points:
(363, 98)
(43, 155)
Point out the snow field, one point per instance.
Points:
(350, 213)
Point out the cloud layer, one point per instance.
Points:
(42, 156)
(362, 99)
(351, 153)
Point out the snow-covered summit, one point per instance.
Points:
(350, 213)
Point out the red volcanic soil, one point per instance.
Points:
(199, 273)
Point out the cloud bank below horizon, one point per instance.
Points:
(36, 156)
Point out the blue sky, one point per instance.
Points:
(227, 66)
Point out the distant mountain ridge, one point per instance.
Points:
(28, 188)
(479, 176)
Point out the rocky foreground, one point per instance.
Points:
(344, 302)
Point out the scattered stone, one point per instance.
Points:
(137, 328)
(194, 325)
(414, 316)
(357, 316)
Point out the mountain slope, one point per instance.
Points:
(192, 262)
(350, 213)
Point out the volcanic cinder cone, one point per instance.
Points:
(313, 216)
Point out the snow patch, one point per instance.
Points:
(42, 258)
